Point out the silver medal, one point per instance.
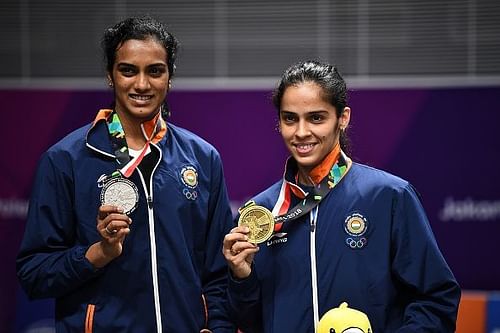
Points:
(120, 192)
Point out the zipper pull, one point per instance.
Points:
(313, 216)
(150, 202)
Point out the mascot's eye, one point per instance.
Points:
(353, 330)
(332, 330)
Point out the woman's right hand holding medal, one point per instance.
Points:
(239, 252)
(113, 226)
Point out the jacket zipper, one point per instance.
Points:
(154, 266)
(314, 277)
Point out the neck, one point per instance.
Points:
(133, 132)
(313, 175)
(304, 178)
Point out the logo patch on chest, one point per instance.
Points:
(355, 226)
(189, 176)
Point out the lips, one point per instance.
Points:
(304, 148)
(141, 101)
(140, 98)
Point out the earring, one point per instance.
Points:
(110, 84)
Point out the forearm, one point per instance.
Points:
(55, 274)
(435, 311)
(244, 302)
(421, 267)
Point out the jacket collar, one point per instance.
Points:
(317, 173)
(98, 139)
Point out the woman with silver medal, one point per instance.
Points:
(152, 262)
(343, 233)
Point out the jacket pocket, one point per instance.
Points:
(89, 318)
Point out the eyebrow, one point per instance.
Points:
(308, 112)
(160, 64)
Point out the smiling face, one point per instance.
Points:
(309, 124)
(140, 78)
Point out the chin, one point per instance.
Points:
(146, 113)
(306, 162)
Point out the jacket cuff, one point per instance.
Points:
(243, 287)
(82, 267)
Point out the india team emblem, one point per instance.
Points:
(189, 176)
(355, 224)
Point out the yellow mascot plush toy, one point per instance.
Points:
(344, 320)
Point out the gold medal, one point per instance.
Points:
(259, 220)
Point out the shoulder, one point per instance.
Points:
(371, 181)
(71, 143)
(269, 196)
(371, 176)
(190, 141)
(62, 154)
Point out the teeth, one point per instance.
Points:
(141, 97)
(305, 146)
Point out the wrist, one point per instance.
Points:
(96, 255)
(240, 274)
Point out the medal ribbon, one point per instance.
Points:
(152, 130)
(281, 211)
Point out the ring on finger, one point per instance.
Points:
(110, 232)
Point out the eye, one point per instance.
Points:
(353, 330)
(317, 117)
(127, 70)
(288, 117)
(157, 71)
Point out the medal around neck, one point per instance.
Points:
(259, 220)
(120, 192)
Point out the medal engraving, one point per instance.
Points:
(120, 192)
(259, 220)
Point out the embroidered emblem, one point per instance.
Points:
(190, 194)
(356, 225)
(189, 176)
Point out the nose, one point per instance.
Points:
(302, 129)
(142, 82)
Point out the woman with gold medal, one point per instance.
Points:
(343, 231)
(128, 213)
